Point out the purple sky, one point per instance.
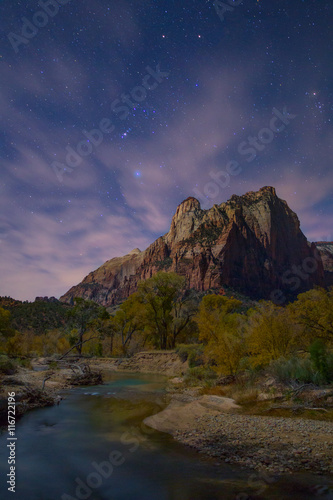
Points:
(224, 79)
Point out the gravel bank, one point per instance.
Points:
(275, 444)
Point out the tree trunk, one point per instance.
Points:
(79, 345)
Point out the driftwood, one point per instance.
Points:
(76, 345)
(85, 376)
(301, 388)
(34, 398)
(78, 367)
(45, 379)
(294, 408)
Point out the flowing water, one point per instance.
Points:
(95, 446)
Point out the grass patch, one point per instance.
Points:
(243, 395)
(215, 391)
(200, 375)
(7, 366)
(24, 362)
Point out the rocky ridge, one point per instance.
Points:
(248, 243)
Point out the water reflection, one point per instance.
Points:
(94, 446)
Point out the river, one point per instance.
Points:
(95, 446)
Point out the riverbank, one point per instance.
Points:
(40, 385)
(213, 425)
(30, 392)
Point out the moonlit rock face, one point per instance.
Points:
(247, 243)
(185, 220)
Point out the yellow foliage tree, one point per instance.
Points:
(167, 309)
(5, 328)
(272, 333)
(14, 345)
(221, 330)
(128, 321)
(314, 311)
(62, 345)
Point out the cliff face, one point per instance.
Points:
(252, 243)
(325, 249)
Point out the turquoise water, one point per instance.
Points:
(95, 446)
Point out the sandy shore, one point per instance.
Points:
(213, 425)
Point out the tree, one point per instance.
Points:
(14, 345)
(221, 329)
(82, 317)
(106, 328)
(128, 320)
(314, 311)
(168, 308)
(272, 333)
(213, 310)
(6, 330)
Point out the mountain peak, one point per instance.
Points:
(250, 243)
(268, 189)
(189, 204)
(183, 222)
(135, 251)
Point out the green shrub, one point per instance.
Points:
(7, 366)
(296, 370)
(25, 362)
(192, 352)
(322, 360)
(199, 374)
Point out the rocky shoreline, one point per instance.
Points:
(39, 388)
(274, 444)
(40, 385)
(213, 425)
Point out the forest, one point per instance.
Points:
(218, 333)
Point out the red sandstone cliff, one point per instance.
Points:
(252, 243)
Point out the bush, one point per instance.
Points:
(296, 370)
(322, 360)
(7, 366)
(191, 352)
(200, 374)
(25, 362)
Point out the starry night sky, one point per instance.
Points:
(221, 80)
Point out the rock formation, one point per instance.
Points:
(325, 249)
(252, 243)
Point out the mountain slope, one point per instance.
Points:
(250, 243)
